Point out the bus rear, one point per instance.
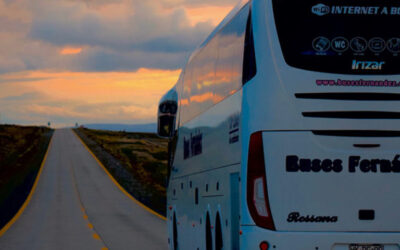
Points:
(321, 126)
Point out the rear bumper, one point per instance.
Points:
(252, 236)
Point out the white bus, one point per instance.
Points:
(287, 130)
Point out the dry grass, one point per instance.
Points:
(22, 150)
(144, 155)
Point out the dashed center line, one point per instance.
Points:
(85, 216)
(96, 236)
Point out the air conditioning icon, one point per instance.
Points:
(320, 9)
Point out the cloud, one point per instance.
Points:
(111, 60)
(31, 79)
(32, 33)
(96, 60)
(197, 3)
(70, 51)
(60, 113)
(97, 3)
(66, 24)
(83, 97)
(28, 96)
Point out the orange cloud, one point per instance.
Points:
(101, 86)
(85, 97)
(215, 14)
(70, 51)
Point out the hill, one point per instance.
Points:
(139, 128)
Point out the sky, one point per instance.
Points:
(96, 61)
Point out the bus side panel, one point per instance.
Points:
(211, 140)
(207, 158)
(235, 206)
(191, 217)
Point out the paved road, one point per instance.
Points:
(77, 206)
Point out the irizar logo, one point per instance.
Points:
(367, 65)
(320, 9)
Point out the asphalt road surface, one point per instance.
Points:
(77, 206)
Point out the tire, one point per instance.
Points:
(208, 233)
(219, 244)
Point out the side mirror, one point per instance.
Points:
(166, 119)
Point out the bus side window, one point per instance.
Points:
(202, 95)
(215, 72)
(196, 196)
(249, 58)
(230, 54)
(184, 102)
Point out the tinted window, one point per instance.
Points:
(215, 72)
(249, 57)
(168, 107)
(203, 78)
(342, 36)
(185, 97)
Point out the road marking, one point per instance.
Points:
(96, 236)
(28, 199)
(116, 182)
(85, 216)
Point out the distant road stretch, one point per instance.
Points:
(77, 206)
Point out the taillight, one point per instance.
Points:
(264, 245)
(257, 195)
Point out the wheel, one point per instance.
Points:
(219, 244)
(208, 233)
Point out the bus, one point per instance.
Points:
(286, 130)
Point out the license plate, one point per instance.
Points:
(366, 247)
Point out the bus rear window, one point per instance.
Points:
(343, 36)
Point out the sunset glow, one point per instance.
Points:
(70, 51)
(96, 61)
(215, 14)
(85, 96)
